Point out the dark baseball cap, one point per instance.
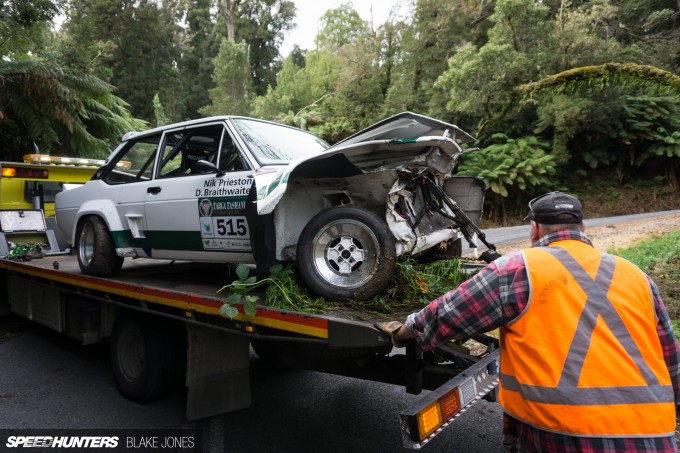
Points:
(555, 208)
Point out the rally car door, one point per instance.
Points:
(197, 210)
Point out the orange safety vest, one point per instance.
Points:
(584, 358)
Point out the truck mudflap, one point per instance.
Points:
(429, 416)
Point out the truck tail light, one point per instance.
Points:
(450, 404)
(11, 172)
(429, 419)
(429, 416)
(433, 416)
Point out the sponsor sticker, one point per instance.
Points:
(223, 224)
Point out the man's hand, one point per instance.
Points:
(400, 336)
(490, 255)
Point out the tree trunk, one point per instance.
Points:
(227, 9)
(672, 174)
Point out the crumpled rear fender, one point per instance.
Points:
(106, 209)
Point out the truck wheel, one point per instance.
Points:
(346, 252)
(267, 351)
(96, 253)
(144, 359)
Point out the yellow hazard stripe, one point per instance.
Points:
(266, 316)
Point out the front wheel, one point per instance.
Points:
(346, 252)
(96, 252)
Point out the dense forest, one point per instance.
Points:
(554, 90)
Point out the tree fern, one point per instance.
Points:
(56, 106)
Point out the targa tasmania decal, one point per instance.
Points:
(223, 224)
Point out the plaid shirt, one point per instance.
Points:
(498, 294)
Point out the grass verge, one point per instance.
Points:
(660, 259)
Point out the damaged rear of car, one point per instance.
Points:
(348, 214)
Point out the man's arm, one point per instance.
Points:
(493, 297)
(669, 344)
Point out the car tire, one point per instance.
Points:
(146, 358)
(96, 252)
(346, 252)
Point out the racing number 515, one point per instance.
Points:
(231, 227)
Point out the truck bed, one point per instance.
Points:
(189, 289)
(53, 292)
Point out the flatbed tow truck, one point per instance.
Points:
(164, 330)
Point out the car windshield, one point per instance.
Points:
(277, 144)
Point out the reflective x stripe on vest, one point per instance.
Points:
(597, 304)
(552, 377)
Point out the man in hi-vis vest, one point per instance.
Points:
(589, 361)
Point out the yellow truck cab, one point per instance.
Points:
(27, 193)
(22, 182)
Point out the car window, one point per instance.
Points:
(273, 143)
(182, 149)
(135, 163)
(50, 190)
(230, 157)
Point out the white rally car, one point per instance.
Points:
(241, 190)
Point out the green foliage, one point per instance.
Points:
(516, 45)
(413, 286)
(421, 48)
(511, 167)
(261, 24)
(651, 252)
(477, 92)
(49, 104)
(568, 116)
(282, 290)
(293, 92)
(652, 27)
(335, 130)
(583, 36)
(232, 92)
(25, 13)
(238, 293)
(199, 47)
(159, 112)
(421, 283)
(134, 40)
(596, 79)
(607, 74)
(610, 129)
(340, 27)
(340, 88)
(285, 291)
(23, 22)
(659, 257)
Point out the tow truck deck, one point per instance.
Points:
(154, 302)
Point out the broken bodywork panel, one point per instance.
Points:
(391, 169)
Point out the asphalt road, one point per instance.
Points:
(48, 381)
(500, 236)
